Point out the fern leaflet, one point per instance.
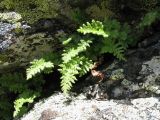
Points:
(95, 27)
(72, 52)
(37, 66)
(78, 65)
(114, 48)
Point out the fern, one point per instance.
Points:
(72, 65)
(16, 84)
(37, 66)
(71, 69)
(115, 43)
(75, 59)
(114, 48)
(85, 64)
(25, 97)
(72, 52)
(149, 19)
(95, 27)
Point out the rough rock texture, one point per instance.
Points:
(57, 108)
(139, 76)
(20, 43)
(9, 22)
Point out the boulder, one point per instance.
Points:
(57, 107)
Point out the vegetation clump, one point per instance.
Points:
(77, 55)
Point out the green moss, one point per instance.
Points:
(33, 10)
(101, 11)
(3, 58)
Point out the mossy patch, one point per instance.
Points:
(33, 10)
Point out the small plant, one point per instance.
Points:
(15, 84)
(74, 63)
(76, 59)
(25, 97)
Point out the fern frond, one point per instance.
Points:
(85, 65)
(114, 48)
(72, 52)
(37, 66)
(95, 27)
(78, 65)
(26, 97)
(68, 71)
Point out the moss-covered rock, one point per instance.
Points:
(32, 10)
(25, 49)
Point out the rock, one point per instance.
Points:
(48, 115)
(25, 49)
(20, 43)
(11, 17)
(10, 22)
(139, 76)
(82, 109)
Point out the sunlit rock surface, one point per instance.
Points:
(56, 107)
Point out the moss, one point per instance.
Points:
(3, 58)
(33, 10)
(101, 11)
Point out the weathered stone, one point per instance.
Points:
(137, 77)
(82, 109)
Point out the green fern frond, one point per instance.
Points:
(68, 71)
(114, 48)
(78, 65)
(37, 66)
(149, 18)
(95, 27)
(26, 97)
(72, 52)
(74, 64)
(85, 65)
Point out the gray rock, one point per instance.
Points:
(139, 76)
(81, 109)
(9, 22)
(11, 17)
